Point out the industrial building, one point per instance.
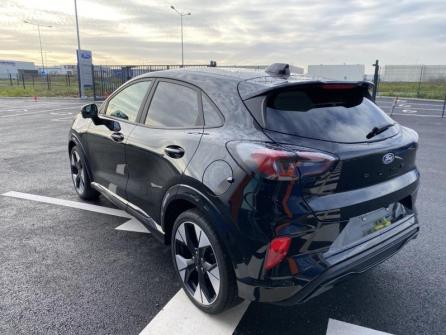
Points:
(13, 69)
(348, 72)
(413, 73)
(60, 70)
(296, 69)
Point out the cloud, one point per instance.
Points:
(232, 32)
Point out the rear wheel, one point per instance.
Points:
(203, 267)
(79, 175)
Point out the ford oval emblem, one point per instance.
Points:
(388, 158)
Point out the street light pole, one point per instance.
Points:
(182, 43)
(77, 26)
(40, 40)
(181, 14)
(81, 86)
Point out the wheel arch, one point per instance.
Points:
(183, 197)
(74, 141)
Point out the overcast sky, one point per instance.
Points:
(298, 32)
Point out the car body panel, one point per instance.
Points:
(107, 159)
(151, 171)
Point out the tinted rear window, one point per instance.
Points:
(174, 106)
(338, 115)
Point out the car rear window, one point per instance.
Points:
(326, 113)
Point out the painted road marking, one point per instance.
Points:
(62, 119)
(61, 113)
(336, 327)
(180, 316)
(62, 116)
(36, 107)
(408, 114)
(39, 112)
(133, 224)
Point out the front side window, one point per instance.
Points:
(174, 106)
(125, 105)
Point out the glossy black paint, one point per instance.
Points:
(157, 173)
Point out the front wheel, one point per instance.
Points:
(202, 266)
(79, 175)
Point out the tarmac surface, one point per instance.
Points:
(65, 269)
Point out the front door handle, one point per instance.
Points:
(174, 151)
(117, 137)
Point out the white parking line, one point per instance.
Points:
(35, 106)
(132, 225)
(39, 112)
(421, 115)
(180, 316)
(336, 327)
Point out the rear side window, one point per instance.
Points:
(212, 117)
(174, 106)
(338, 115)
(125, 105)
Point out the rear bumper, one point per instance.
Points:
(338, 267)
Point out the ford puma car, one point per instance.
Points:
(266, 186)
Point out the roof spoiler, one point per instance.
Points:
(329, 85)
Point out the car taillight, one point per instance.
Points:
(277, 251)
(279, 162)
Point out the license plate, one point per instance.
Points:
(380, 224)
(361, 226)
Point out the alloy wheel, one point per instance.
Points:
(77, 172)
(196, 263)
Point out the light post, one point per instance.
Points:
(38, 25)
(181, 14)
(81, 86)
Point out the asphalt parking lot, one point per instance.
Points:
(66, 269)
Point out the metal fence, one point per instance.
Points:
(32, 84)
(107, 78)
(413, 81)
(401, 81)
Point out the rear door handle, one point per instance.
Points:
(117, 137)
(174, 151)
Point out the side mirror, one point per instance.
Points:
(90, 111)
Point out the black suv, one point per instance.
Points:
(267, 186)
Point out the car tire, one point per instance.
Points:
(80, 177)
(201, 263)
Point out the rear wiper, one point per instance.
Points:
(378, 130)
